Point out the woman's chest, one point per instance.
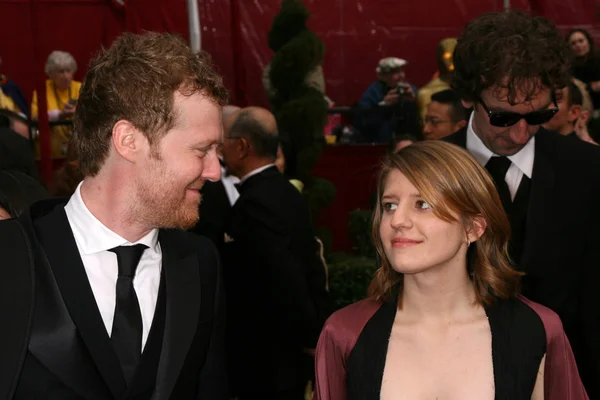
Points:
(456, 364)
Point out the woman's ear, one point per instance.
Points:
(476, 228)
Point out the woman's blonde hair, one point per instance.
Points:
(456, 187)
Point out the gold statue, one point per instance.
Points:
(445, 60)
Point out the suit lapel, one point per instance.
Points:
(56, 237)
(182, 279)
(541, 203)
(542, 197)
(458, 138)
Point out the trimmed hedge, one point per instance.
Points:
(359, 226)
(349, 278)
(300, 110)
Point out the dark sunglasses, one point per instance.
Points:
(507, 118)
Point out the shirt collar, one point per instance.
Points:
(92, 235)
(256, 172)
(523, 159)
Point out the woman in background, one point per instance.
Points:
(62, 93)
(444, 319)
(586, 66)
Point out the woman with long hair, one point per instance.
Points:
(586, 63)
(444, 318)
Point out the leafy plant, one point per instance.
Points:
(360, 231)
(300, 110)
(349, 278)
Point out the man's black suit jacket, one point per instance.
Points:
(73, 347)
(16, 153)
(214, 211)
(561, 253)
(275, 283)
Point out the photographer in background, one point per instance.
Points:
(386, 102)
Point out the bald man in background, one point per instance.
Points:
(276, 292)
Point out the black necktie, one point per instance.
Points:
(497, 166)
(126, 336)
(238, 187)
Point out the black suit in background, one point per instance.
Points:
(16, 153)
(275, 284)
(214, 211)
(559, 241)
(58, 347)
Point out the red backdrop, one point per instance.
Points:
(357, 33)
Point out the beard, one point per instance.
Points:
(164, 201)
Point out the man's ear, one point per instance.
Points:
(476, 228)
(459, 125)
(243, 148)
(467, 104)
(127, 140)
(574, 113)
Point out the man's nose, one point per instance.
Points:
(519, 133)
(212, 167)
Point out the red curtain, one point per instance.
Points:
(357, 33)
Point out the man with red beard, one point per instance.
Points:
(105, 298)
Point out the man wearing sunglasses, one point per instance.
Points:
(507, 68)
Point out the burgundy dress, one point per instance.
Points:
(352, 349)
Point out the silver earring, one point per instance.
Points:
(468, 243)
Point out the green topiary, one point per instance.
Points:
(300, 109)
(292, 63)
(287, 24)
(360, 230)
(349, 278)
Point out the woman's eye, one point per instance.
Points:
(389, 207)
(422, 204)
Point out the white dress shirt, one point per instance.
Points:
(256, 172)
(521, 163)
(93, 241)
(229, 182)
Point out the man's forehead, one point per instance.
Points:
(561, 92)
(437, 108)
(526, 93)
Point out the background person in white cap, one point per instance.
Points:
(390, 89)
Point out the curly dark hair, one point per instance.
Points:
(511, 50)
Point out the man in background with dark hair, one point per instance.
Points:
(445, 115)
(16, 152)
(18, 191)
(276, 284)
(571, 119)
(508, 67)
